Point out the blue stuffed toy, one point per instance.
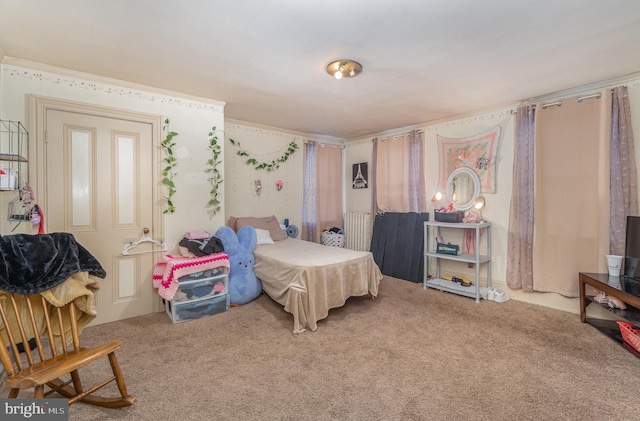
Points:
(243, 284)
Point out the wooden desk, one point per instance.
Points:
(602, 282)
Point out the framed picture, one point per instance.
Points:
(360, 176)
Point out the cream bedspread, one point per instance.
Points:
(308, 278)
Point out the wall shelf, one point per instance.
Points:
(13, 140)
(12, 157)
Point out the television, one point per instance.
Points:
(631, 266)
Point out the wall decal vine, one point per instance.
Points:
(215, 177)
(268, 166)
(169, 170)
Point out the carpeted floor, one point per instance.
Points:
(410, 354)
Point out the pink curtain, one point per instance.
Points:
(571, 207)
(329, 187)
(399, 173)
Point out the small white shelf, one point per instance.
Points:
(473, 291)
(467, 258)
(455, 288)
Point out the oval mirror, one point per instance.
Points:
(463, 187)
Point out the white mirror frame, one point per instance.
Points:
(476, 188)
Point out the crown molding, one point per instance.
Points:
(632, 78)
(97, 79)
(275, 131)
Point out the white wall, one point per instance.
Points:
(357, 200)
(191, 118)
(264, 144)
(497, 205)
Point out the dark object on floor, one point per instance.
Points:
(397, 244)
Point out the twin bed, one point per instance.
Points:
(307, 278)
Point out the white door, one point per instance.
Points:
(98, 182)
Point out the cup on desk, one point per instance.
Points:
(614, 281)
(614, 264)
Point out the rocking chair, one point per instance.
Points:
(30, 322)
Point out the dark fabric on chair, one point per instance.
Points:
(31, 264)
(397, 244)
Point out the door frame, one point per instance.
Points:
(38, 108)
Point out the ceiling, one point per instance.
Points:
(424, 60)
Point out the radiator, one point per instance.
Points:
(357, 231)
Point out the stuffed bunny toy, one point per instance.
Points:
(243, 284)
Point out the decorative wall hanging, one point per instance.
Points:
(215, 178)
(279, 185)
(477, 152)
(258, 187)
(170, 162)
(360, 176)
(269, 166)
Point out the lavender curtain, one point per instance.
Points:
(624, 185)
(417, 188)
(372, 178)
(520, 236)
(309, 211)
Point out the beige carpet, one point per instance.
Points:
(410, 354)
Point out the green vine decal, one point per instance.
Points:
(269, 166)
(215, 177)
(170, 162)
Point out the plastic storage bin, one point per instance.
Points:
(456, 216)
(195, 309)
(332, 239)
(204, 284)
(200, 294)
(8, 179)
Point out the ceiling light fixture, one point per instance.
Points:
(344, 68)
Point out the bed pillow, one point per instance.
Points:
(269, 223)
(263, 237)
(232, 223)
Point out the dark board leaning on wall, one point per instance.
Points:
(397, 244)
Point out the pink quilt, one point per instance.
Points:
(167, 272)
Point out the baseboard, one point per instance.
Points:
(545, 299)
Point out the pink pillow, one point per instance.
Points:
(269, 223)
(232, 223)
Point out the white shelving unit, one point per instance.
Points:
(474, 291)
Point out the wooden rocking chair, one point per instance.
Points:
(30, 322)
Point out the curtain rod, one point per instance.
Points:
(395, 136)
(323, 144)
(559, 102)
(579, 99)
